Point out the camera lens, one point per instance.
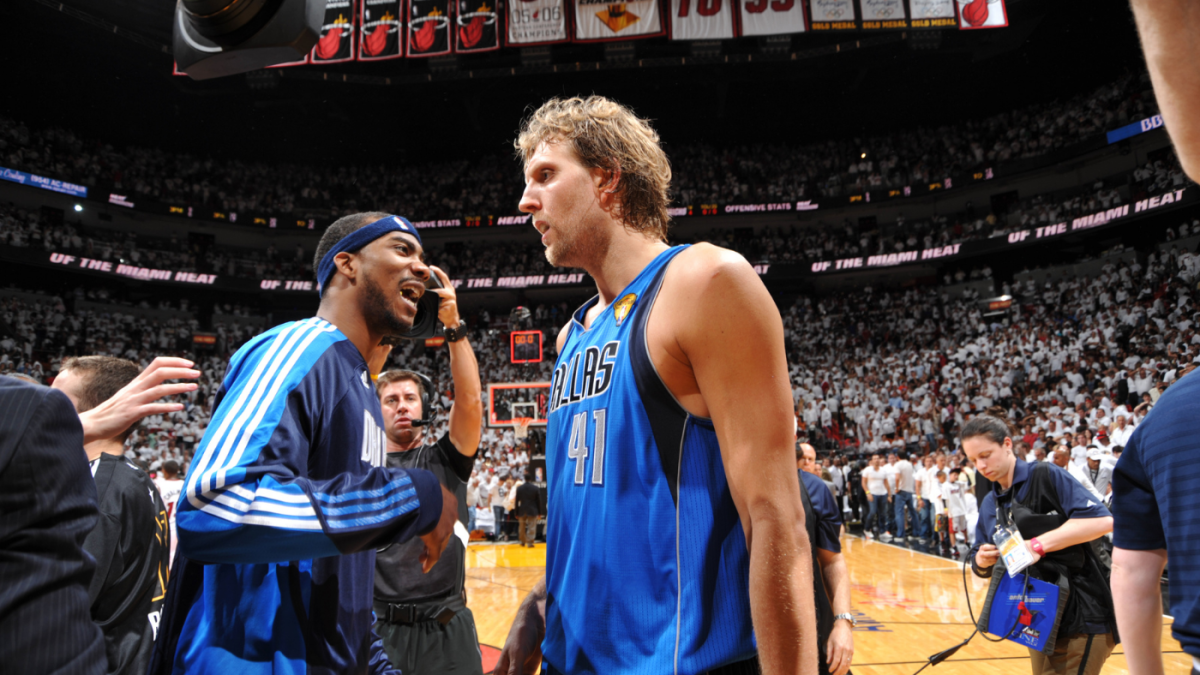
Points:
(229, 22)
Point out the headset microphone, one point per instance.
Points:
(426, 402)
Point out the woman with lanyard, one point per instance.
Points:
(1050, 518)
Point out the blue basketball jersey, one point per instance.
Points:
(646, 568)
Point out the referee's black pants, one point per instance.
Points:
(431, 647)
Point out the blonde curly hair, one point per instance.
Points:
(607, 135)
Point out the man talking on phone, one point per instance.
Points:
(288, 495)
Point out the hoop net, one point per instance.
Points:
(521, 427)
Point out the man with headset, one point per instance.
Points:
(422, 618)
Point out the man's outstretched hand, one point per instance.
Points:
(435, 540)
(140, 398)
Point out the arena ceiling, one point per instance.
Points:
(74, 70)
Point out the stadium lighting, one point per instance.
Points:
(78, 208)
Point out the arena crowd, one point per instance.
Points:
(703, 173)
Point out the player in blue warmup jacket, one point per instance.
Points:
(676, 539)
(288, 495)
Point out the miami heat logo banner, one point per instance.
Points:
(772, 17)
(379, 24)
(833, 15)
(476, 26)
(701, 19)
(974, 14)
(883, 14)
(536, 22)
(603, 20)
(932, 14)
(428, 27)
(337, 33)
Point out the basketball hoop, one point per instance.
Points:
(521, 427)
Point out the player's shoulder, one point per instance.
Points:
(131, 480)
(718, 274)
(286, 339)
(296, 345)
(705, 262)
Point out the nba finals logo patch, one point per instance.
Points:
(621, 309)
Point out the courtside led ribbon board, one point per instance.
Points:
(358, 239)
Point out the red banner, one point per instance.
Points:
(379, 25)
(973, 14)
(428, 28)
(337, 33)
(476, 26)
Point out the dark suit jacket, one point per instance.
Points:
(529, 501)
(47, 507)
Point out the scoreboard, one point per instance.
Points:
(525, 346)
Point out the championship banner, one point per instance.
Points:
(772, 17)
(932, 14)
(701, 19)
(536, 22)
(832, 15)
(379, 26)
(476, 26)
(604, 20)
(973, 14)
(337, 33)
(428, 28)
(883, 14)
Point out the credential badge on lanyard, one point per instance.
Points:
(1011, 544)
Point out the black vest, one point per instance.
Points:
(398, 575)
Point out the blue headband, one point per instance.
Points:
(358, 239)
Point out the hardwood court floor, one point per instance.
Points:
(910, 605)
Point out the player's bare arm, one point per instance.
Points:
(1168, 31)
(716, 338)
(467, 412)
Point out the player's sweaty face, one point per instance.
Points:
(393, 280)
(563, 197)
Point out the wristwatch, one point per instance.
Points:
(849, 617)
(456, 333)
